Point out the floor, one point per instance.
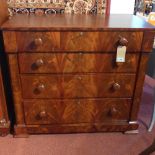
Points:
(89, 144)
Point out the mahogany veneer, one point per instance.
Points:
(77, 86)
(76, 63)
(76, 111)
(4, 119)
(64, 74)
(69, 41)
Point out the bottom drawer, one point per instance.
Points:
(76, 111)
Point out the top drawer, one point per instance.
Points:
(16, 41)
(100, 41)
(31, 41)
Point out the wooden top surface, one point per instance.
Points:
(76, 22)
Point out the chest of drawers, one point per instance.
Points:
(64, 74)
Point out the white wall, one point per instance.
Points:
(122, 6)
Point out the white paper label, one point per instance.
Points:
(121, 52)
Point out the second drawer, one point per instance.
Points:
(75, 86)
(75, 63)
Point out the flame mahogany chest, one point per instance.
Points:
(64, 74)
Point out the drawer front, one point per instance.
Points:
(75, 63)
(70, 41)
(31, 41)
(75, 86)
(102, 41)
(76, 111)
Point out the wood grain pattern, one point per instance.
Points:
(10, 41)
(99, 41)
(3, 108)
(64, 76)
(16, 88)
(70, 41)
(77, 22)
(148, 41)
(75, 63)
(139, 86)
(80, 41)
(4, 119)
(77, 111)
(75, 86)
(29, 41)
(82, 127)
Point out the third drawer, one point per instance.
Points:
(77, 86)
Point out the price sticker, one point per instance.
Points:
(121, 52)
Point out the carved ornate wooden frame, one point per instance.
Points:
(59, 6)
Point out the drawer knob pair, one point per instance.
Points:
(38, 41)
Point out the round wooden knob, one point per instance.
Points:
(39, 63)
(38, 41)
(79, 78)
(122, 41)
(116, 86)
(78, 102)
(42, 114)
(113, 111)
(40, 87)
(81, 33)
